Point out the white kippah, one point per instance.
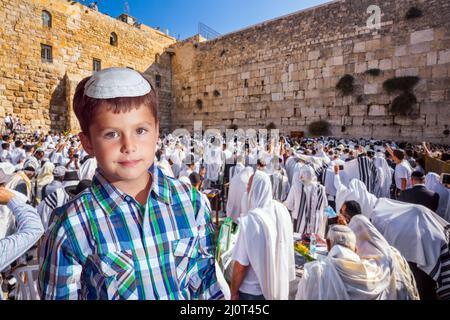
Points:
(116, 82)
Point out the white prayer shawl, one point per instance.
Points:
(235, 170)
(420, 235)
(166, 168)
(267, 230)
(290, 164)
(385, 177)
(432, 183)
(238, 186)
(370, 244)
(343, 275)
(87, 169)
(362, 168)
(54, 200)
(280, 185)
(355, 191)
(307, 202)
(7, 220)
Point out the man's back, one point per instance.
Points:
(419, 194)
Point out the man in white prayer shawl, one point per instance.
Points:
(264, 252)
(420, 235)
(213, 160)
(87, 169)
(240, 165)
(363, 168)
(307, 201)
(238, 187)
(345, 275)
(432, 183)
(385, 173)
(279, 180)
(371, 244)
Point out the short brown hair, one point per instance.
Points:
(85, 107)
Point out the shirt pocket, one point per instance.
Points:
(112, 276)
(185, 252)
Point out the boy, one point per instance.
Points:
(135, 233)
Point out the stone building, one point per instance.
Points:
(48, 46)
(285, 72)
(281, 73)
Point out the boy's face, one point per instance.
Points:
(123, 143)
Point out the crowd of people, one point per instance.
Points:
(77, 204)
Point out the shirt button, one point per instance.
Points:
(127, 198)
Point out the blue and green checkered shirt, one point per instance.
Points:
(105, 245)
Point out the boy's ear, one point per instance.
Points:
(86, 143)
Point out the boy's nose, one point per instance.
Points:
(128, 145)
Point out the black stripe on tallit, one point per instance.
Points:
(51, 200)
(301, 210)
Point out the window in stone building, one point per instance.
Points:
(246, 83)
(157, 56)
(113, 39)
(46, 53)
(96, 65)
(158, 81)
(46, 19)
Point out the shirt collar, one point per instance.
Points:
(109, 197)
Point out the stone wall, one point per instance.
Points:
(41, 93)
(285, 71)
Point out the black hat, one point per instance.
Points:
(71, 176)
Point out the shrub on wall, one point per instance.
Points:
(373, 72)
(319, 128)
(271, 126)
(413, 13)
(404, 104)
(346, 84)
(400, 84)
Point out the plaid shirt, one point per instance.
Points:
(105, 245)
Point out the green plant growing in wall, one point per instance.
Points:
(346, 85)
(403, 104)
(271, 126)
(319, 128)
(400, 84)
(413, 13)
(373, 72)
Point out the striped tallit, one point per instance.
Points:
(442, 269)
(368, 173)
(310, 216)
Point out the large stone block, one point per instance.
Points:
(422, 36)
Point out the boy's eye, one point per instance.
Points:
(141, 131)
(111, 135)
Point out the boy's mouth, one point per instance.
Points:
(129, 163)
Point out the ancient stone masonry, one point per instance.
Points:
(41, 92)
(286, 70)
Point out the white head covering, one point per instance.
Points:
(267, 234)
(432, 183)
(45, 175)
(238, 186)
(357, 191)
(6, 172)
(307, 175)
(116, 82)
(417, 232)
